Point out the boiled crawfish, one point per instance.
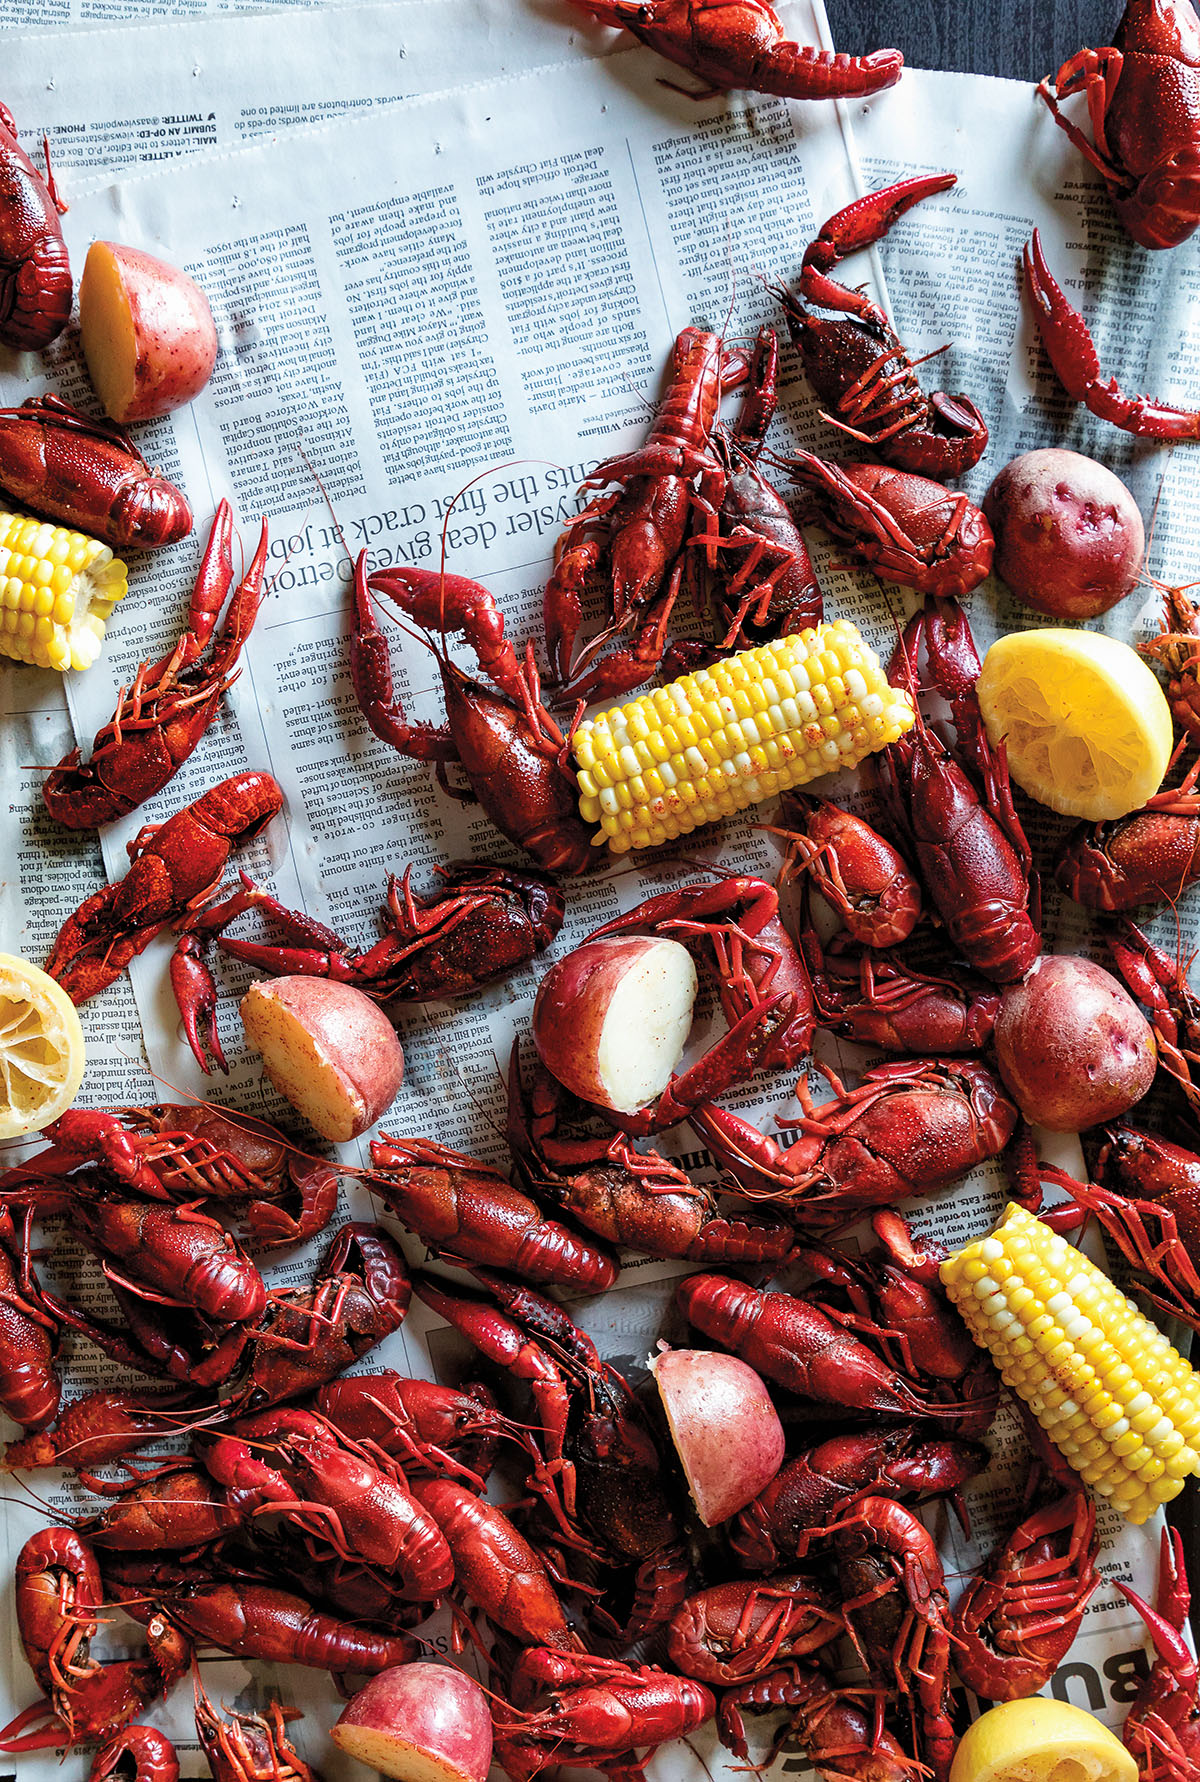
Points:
(196, 1151)
(136, 1754)
(1018, 1617)
(595, 1712)
(87, 474)
(418, 1422)
(1162, 1728)
(840, 1737)
(857, 365)
(1150, 856)
(732, 1633)
(908, 1128)
(855, 869)
(740, 43)
(1143, 100)
(35, 277)
(482, 922)
(59, 1594)
(248, 1747)
(637, 1200)
(170, 704)
(813, 1488)
(635, 539)
(29, 1383)
(1072, 352)
(911, 530)
(176, 864)
(468, 1211)
(510, 748)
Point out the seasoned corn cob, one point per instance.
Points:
(1119, 1404)
(57, 588)
(713, 742)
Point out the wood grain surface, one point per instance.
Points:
(1023, 40)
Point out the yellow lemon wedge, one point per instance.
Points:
(1086, 725)
(1040, 1741)
(41, 1048)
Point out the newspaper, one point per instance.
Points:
(408, 300)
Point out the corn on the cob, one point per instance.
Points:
(1119, 1404)
(713, 742)
(57, 588)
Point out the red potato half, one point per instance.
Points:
(146, 330)
(420, 1722)
(612, 1018)
(1073, 1047)
(1069, 537)
(725, 1429)
(327, 1048)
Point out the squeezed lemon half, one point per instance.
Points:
(1037, 1740)
(1086, 725)
(41, 1048)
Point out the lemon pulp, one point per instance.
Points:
(41, 1048)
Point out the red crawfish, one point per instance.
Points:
(912, 531)
(1019, 1616)
(93, 1430)
(479, 924)
(855, 869)
(1162, 1728)
(196, 1151)
(35, 277)
(494, 1565)
(87, 474)
(253, 1620)
(30, 1387)
(740, 43)
(58, 1598)
(418, 1422)
(909, 1128)
(592, 1712)
(633, 541)
(1160, 984)
(1143, 100)
(248, 1747)
(600, 1472)
(800, 1348)
(1151, 856)
(170, 704)
(1147, 1199)
(879, 1000)
(732, 926)
(175, 865)
(465, 1210)
(511, 750)
(1072, 352)
(732, 1633)
(772, 588)
(814, 1487)
(136, 1754)
(857, 365)
(636, 1200)
(296, 1464)
(176, 1510)
(841, 1738)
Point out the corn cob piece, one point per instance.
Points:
(714, 742)
(57, 589)
(1119, 1404)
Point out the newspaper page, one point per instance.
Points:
(451, 330)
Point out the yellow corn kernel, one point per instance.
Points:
(57, 589)
(757, 723)
(1121, 1406)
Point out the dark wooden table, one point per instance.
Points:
(1021, 40)
(1018, 40)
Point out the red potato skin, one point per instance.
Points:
(350, 1030)
(431, 1709)
(725, 1428)
(1069, 537)
(570, 1006)
(174, 329)
(1073, 1047)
